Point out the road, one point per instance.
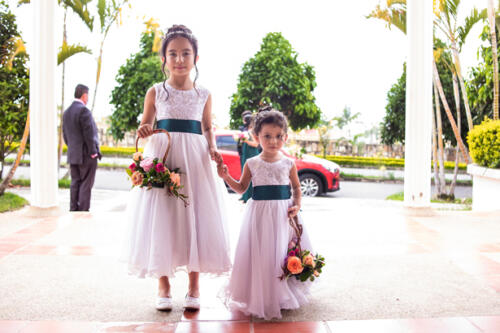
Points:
(118, 180)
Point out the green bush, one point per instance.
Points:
(484, 143)
(359, 161)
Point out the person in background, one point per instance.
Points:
(80, 135)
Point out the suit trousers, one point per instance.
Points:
(82, 180)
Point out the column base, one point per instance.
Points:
(33, 211)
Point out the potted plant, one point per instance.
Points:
(484, 145)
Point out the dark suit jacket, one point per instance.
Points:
(80, 133)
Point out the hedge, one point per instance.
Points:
(359, 161)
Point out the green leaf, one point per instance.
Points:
(66, 51)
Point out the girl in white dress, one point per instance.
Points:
(164, 235)
(255, 286)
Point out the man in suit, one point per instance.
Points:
(80, 135)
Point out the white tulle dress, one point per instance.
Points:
(255, 287)
(163, 235)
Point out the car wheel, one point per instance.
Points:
(310, 185)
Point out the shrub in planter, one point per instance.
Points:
(484, 143)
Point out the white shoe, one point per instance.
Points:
(191, 303)
(164, 303)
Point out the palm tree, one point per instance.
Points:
(492, 21)
(109, 12)
(446, 21)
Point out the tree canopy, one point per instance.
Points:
(134, 78)
(392, 128)
(14, 84)
(480, 87)
(275, 77)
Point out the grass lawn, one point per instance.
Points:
(400, 197)
(10, 201)
(63, 183)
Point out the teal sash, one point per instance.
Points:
(180, 125)
(271, 192)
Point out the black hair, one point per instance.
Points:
(268, 115)
(178, 30)
(80, 90)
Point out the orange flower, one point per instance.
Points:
(316, 273)
(294, 265)
(137, 178)
(137, 156)
(309, 261)
(175, 178)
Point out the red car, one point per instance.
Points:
(316, 175)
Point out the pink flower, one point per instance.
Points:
(160, 168)
(309, 261)
(291, 253)
(137, 178)
(147, 164)
(132, 167)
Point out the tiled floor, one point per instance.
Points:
(477, 255)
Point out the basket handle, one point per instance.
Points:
(158, 130)
(297, 228)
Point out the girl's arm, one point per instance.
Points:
(296, 192)
(252, 142)
(240, 186)
(148, 116)
(206, 124)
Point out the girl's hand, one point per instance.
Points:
(222, 170)
(293, 211)
(215, 156)
(144, 131)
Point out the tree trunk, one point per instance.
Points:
(437, 80)
(494, 49)
(456, 92)
(20, 153)
(458, 69)
(98, 75)
(439, 125)
(434, 153)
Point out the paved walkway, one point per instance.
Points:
(388, 270)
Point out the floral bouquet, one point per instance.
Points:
(241, 137)
(152, 172)
(303, 265)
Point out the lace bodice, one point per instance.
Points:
(270, 173)
(181, 104)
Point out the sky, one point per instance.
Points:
(356, 59)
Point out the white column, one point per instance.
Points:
(43, 127)
(417, 180)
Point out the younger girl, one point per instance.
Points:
(255, 286)
(171, 236)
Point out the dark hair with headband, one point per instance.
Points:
(173, 32)
(268, 115)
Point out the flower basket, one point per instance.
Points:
(152, 172)
(301, 264)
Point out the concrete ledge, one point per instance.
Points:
(419, 211)
(33, 211)
(485, 187)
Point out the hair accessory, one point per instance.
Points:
(178, 32)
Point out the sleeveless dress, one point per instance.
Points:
(164, 236)
(255, 287)
(247, 152)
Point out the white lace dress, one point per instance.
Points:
(255, 287)
(164, 236)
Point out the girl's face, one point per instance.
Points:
(271, 138)
(180, 57)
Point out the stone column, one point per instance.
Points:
(43, 127)
(417, 177)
